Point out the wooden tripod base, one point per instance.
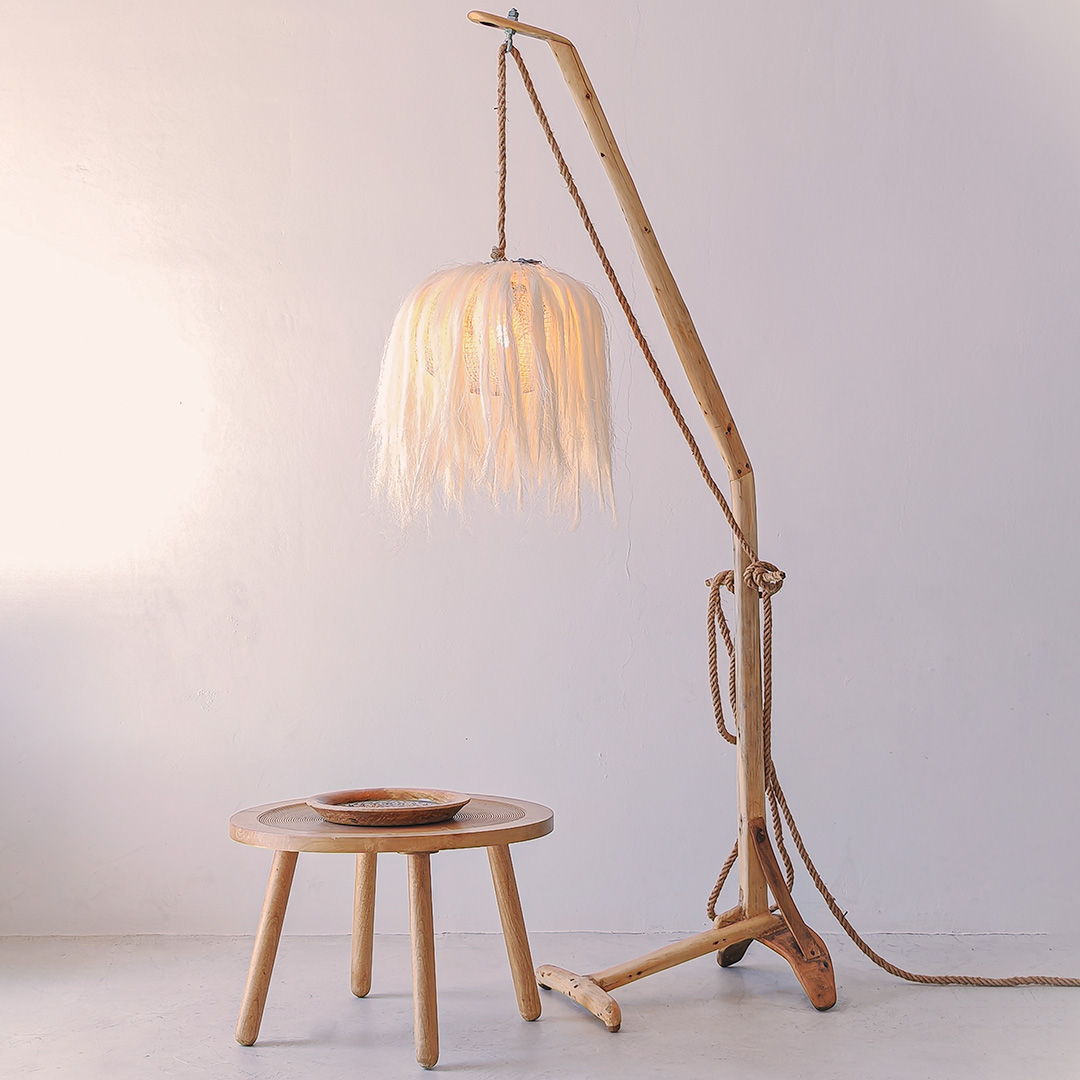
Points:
(785, 933)
(814, 973)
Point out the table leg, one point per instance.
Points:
(266, 943)
(422, 929)
(363, 922)
(513, 925)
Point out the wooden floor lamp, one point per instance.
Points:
(495, 378)
(780, 927)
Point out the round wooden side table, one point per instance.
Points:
(485, 821)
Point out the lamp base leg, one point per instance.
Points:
(733, 953)
(785, 933)
(584, 990)
(815, 973)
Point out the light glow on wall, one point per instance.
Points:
(103, 411)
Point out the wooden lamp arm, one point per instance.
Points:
(699, 372)
(672, 306)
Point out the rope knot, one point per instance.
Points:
(723, 580)
(763, 576)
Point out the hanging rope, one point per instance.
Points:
(498, 252)
(765, 578)
(726, 580)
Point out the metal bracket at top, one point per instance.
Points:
(511, 14)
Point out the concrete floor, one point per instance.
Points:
(137, 1008)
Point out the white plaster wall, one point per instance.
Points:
(209, 211)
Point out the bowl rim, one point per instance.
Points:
(334, 800)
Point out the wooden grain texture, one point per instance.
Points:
(266, 944)
(792, 938)
(422, 932)
(486, 820)
(766, 857)
(514, 934)
(669, 299)
(484, 18)
(815, 974)
(583, 990)
(750, 751)
(363, 932)
(679, 952)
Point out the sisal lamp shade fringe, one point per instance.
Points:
(494, 378)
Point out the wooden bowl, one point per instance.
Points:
(380, 807)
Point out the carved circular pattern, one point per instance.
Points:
(476, 812)
(287, 817)
(484, 812)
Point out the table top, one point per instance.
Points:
(484, 821)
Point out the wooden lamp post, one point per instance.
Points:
(783, 931)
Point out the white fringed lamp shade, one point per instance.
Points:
(494, 378)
